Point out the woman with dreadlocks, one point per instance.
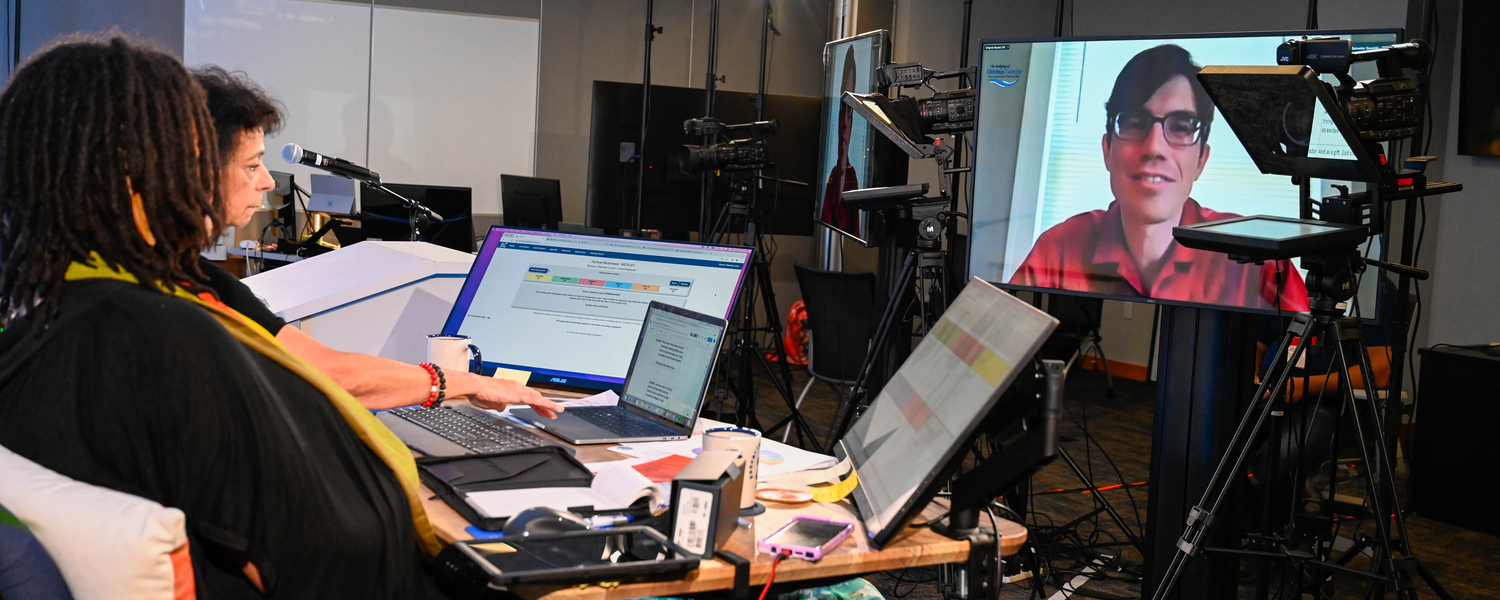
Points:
(119, 370)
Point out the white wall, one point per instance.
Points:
(1460, 299)
(419, 96)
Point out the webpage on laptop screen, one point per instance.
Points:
(568, 307)
(677, 357)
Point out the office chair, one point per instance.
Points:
(842, 314)
(1077, 333)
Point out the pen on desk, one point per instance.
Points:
(607, 521)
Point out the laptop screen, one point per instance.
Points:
(674, 359)
(566, 308)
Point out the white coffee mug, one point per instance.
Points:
(451, 353)
(746, 441)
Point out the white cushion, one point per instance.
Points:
(107, 544)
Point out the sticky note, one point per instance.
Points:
(515, 375)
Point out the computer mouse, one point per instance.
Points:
(544, 520)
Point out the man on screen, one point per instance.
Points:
(1155, 146)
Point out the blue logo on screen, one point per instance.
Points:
(559, 380)
(1003, 75)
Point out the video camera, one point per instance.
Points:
(734, 155)
(944, 112)
(1291, 122)
(1383, 109)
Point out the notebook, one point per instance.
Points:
(664, 387)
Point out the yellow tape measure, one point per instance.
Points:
(833, 484)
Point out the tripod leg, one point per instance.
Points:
(845, 413)
(1200, 518)
(1120, 521)
(1378, 477)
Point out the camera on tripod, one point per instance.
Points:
(1386, 108)
(944, 112)
(746, 154)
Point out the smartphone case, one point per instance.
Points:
(804, 552)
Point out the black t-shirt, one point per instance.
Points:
(238, 296)
(148, 394)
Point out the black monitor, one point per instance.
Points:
(530, 202)
(384, 217)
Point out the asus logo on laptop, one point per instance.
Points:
(559, 380)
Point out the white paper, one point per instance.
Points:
(776, 458)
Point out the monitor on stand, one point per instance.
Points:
(530, 202)
(384, 217)
(957, 384)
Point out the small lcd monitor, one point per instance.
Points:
(1264, 237)
(1088, 152)
(530, 202)
(331, 194)
(566, 308)
(384, 217)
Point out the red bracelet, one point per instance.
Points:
(435, 394)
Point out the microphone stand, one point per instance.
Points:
(416, 214)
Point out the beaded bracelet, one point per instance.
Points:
(439, 385)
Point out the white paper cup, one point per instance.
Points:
(747, 442)
(451, 352)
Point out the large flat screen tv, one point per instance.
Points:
(852, 155)
(1089, 152)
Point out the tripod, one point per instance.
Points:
(925, 263)
(743, 351)
(1391, 563)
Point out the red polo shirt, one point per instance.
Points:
(1087, 253)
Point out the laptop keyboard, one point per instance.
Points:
(474, 433)
(620, 422)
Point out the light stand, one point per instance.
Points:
(640, 148)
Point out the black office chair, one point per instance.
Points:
(1077, 333)
(843, 310)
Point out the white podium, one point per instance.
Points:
(374, 297)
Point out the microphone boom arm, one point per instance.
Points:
(416, 214)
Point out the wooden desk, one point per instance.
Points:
(913, 548)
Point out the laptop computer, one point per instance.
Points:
(664, 388)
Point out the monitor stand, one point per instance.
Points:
(1205, 378)
(1026, 450)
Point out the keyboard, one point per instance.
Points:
(620, 422)
(471, 428)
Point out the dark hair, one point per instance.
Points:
(1146, 72)
(82, 123)
(237, 105)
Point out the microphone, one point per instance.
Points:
(295, 155)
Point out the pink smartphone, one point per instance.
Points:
(808, 538)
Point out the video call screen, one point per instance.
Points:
(844, 161)
(1063, 202)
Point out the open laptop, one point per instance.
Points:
(664, 388)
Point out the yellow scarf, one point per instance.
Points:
(374, 434)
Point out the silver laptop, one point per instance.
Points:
(664, 388)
